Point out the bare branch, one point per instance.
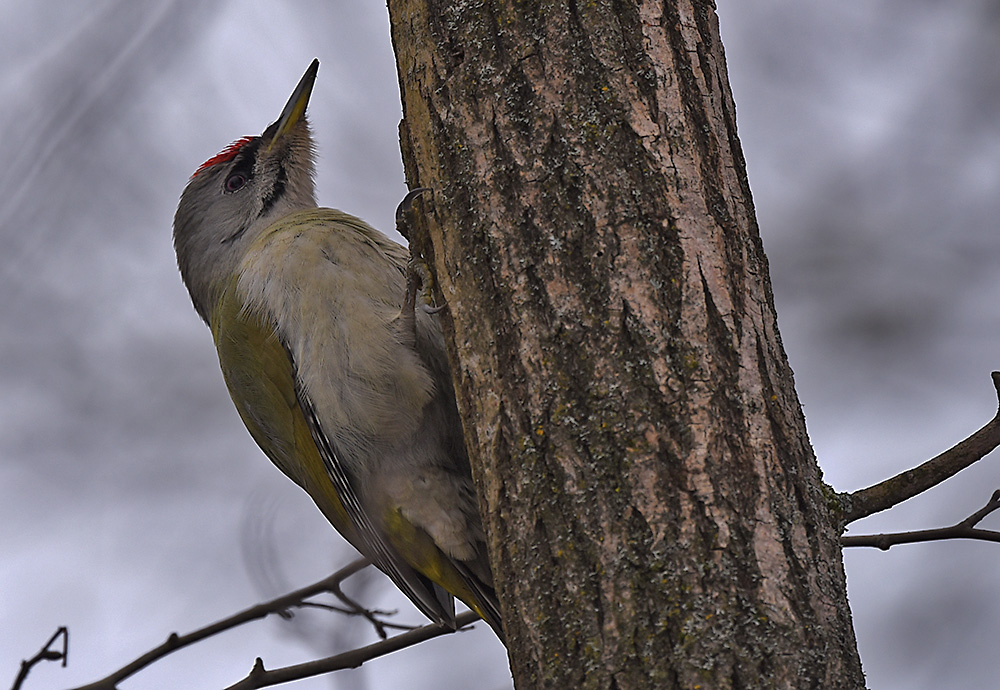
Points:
(885, 495)
(44, 654)
(279, 605)
(261, 678)
(966, 529)
(371, 615)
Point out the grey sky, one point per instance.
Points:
(127, 482)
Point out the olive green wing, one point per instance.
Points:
(260, 375)
(261, 381)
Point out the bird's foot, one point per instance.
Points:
(403, 210)
(419, 287)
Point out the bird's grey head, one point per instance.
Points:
(239, 192)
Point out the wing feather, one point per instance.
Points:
(426, 595)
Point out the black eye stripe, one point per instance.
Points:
(244, 161)
(244, 168)
(276, 191)
(241, 172)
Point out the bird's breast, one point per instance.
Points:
(333, 290)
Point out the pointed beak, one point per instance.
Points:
(295, 109)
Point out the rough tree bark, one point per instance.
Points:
(656, 517)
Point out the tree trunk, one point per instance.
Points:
(656, 517)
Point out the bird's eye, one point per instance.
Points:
(235, 182)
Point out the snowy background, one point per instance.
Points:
(132, 501)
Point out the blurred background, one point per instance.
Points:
(132, 501)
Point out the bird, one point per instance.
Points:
(341, 380)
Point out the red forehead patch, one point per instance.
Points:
(226, 154)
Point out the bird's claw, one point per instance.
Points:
(420, 281)
(402, 224)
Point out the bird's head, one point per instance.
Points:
(239, 192)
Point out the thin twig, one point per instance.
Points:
(44, 654)
(966, 529)
(371, 615)
(261, 678)
(885, 495)
(280, 605)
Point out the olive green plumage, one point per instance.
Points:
(346, 391)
